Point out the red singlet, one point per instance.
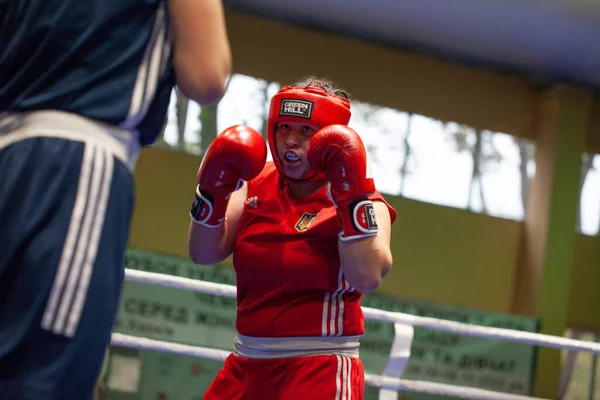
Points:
(289, 279)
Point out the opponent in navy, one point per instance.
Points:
(84, 85)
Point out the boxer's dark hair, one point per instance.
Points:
(323, 83)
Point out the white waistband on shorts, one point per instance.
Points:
(253, 347)
(123, 144)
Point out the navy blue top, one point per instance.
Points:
(108, 60)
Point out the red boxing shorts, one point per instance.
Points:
(329, 377)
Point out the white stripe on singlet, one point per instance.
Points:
(333, 308)
(152, 67)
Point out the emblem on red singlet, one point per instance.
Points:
(305, 221)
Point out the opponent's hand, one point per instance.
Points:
(338, 151)
(236, 155)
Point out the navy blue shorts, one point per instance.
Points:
(65, 211)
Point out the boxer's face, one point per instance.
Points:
(292, 140)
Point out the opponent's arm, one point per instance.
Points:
(202, 56)
(236, 155)
(365, 226)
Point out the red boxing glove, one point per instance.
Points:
(236, 155)
(338, 151)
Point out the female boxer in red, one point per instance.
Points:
(308, 233)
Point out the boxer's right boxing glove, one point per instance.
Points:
(236, 155)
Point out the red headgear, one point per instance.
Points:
(302, 104)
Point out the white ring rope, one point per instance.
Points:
(370, 379)
(403, 324)
(539, 339)
(141, 343)
(440, 389)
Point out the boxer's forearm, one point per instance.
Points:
(207, 245)
(210, 245)
(367, 260)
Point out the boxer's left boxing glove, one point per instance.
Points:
(236, 155)
(338, 151)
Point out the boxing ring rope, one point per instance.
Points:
(460, 328)
(401, 322)
(370, 379)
